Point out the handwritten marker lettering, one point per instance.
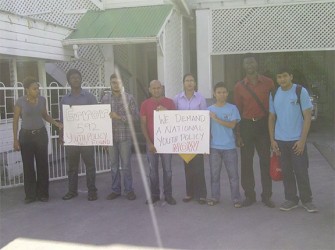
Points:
(165, 141)
(86, 125)
(85, 115)
(190, 146)
(191, 137)
(163, 119)
(182, 131)
(185, 128)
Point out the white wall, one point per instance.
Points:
(21, 36)
(186, 46)
(173, 56)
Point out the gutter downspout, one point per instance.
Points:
(186, 7)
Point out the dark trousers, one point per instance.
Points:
(255, 135)
(195, 178)
(34, 147)
(73, 154)
(295, 172)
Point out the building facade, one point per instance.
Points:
(298, 33)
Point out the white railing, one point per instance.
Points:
(11, 170)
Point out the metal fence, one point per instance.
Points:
(11, 169)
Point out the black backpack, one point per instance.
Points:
(297, 92)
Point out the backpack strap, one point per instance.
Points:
(273, 93)
(298, 93)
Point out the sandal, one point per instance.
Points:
(187, 199)
(237, 204)
(212, 202)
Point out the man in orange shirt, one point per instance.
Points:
(251, 96)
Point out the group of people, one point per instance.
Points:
(258, 120)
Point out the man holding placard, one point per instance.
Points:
(78, 96)
(156, 102)
(121, 149)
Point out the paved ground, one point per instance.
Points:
(123, 224)
(322, 136)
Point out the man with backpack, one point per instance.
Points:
(289, 123)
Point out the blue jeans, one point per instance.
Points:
(229, 158)
(121, 151)
(153, 160)
(295, 172)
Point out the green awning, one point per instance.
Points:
(120, 26)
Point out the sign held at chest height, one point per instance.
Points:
(181, 131)
(87, 125)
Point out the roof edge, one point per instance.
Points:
(5, 12)
(165, 22)
(130, 40)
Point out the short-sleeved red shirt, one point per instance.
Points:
(246, 103)
(147, 109)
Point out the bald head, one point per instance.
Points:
(155, 89)
(154, 82)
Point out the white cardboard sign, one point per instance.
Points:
(182, 131)
(87, 125)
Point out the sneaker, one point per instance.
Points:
(29, 200)
(309, 206)
(212, 202)
(92, 196)
(69, 196)
(248, 202)
(170, 200)
(269, 203)
(202, 201)
(112, 196)
(131, 196)
(288, 205)
(43, 198)
(153, 200)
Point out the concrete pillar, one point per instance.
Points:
(13, 75)
(204, 66)
(133, 70)
(42, 77)
(160, 63)
(108, 53)
(13, 72)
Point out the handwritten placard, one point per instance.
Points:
(87, 125)
(181, 131)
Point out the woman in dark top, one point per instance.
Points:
(33, 140)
